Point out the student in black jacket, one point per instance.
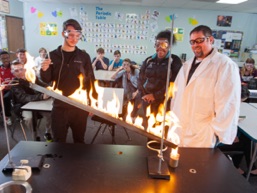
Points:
(153, 75)
(63, 67)
(22, 94)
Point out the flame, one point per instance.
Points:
(30, 73)
(174, 152)
(128, 117)
(92, 99)
(113, 106)
(155, 123)
(172, 136)
(55, 90)
(80, 94)
(148, 111)
(138, 122)
(171, 90)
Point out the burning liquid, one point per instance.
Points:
(155, 123)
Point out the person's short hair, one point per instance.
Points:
(73, 23)
(166, 35)
(250, 61)
(127, 60)
(202, 28)
(100, 50)
(41, 49)
(4, 52)
(21, 50)
(15, 62)
(116, 52)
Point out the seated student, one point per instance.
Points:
(39, 59)
(100, 62)
(21, 56)
(6, 76)
(116, 62)
(23, 94)
(129, 74)
(248, 71)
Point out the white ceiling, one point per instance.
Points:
(247, 7)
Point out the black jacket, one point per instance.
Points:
(153, 75)
(22, 94)
(65, 74)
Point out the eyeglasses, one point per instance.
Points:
(18, 70)
(249, 65)
(198, 40)
(164, 44)
(71, 34)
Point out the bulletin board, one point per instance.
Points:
(228, 42)
(3, 34)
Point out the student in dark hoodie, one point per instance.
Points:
(22, 94)
(63, 66)
(153, 75)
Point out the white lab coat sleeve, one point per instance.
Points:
(227, 102)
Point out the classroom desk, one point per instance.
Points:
(38, 106)
(103, 75)
(80, 168)
(44, 105)
(249, 127)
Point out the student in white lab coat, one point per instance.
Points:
(207, 94)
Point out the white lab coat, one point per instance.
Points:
(208, 106)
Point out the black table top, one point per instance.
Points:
(78, 168)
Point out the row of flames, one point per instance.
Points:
(113, 106)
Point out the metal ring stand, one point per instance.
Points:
(155, 149)
(157, 168)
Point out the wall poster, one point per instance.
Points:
(4, 6)
(228, 42)
(3, 34)
(48, 29)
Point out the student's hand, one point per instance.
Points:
(2, 87)
(148, 98)
(134, 94)
(98, 58)
(116, 59)
(120, 68)
(45, 64)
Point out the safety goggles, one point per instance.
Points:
(17, 70)
(249, 65)
(164, 44)
(198, 40)
(73, 34)
(4, 58)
